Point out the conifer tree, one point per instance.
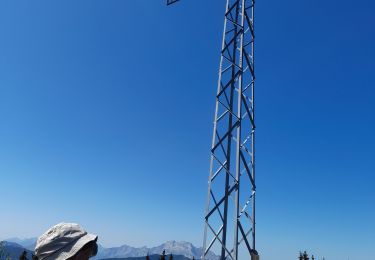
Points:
(147, 257)
(23, 255)
(171, 257)
(162, 257)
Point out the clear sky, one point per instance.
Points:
(106, 111)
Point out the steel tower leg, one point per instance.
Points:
(230, 211)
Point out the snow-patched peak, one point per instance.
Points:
(172, 244)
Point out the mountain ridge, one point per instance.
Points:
(14, 250)
(151, 257)
(181, 248)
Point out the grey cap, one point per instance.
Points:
(62, 241)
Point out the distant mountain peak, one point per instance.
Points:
(178, 243)
(28, 243)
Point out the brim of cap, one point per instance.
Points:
(72, 249)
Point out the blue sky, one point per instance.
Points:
(106, 111)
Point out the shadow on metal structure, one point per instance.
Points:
(169, 2)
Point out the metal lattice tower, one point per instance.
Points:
(230, 212)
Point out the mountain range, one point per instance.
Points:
(177, 248)
(14, 250)
(27, 243)
(152, 257)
